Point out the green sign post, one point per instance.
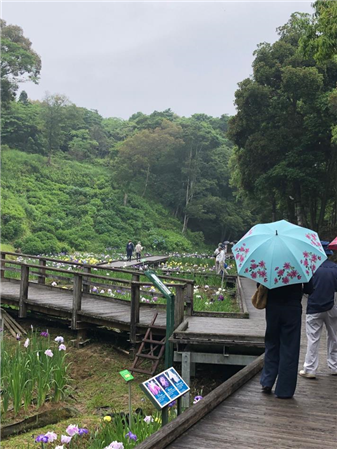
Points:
(127, 376)
(169, 315)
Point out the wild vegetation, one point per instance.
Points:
(75, 180)
(285, 155)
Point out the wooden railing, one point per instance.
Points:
(83, 280)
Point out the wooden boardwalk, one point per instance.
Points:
(109, 312)
(228, 331)
(95, 309)
(250, 419)
(151, 260)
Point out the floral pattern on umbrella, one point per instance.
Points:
(278, 254)
(257, 270)
(241, 254)
(309, 261)
(286, 273)
(313, 239)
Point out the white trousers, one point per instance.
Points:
(314, 326)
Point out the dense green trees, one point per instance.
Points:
(81, 181)
(180, 163)
(19, 62)
(285, 155)
(320, 37)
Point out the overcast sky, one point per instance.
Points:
(125, 57)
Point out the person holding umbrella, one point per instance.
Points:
(282, 257)
(321, 309)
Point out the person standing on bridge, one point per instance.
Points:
(282, 339)
(139, 249)
(129, 250)
(321, 309)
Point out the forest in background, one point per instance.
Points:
(73, 180)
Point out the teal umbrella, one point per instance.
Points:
(278, 254)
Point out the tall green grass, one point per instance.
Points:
(28, 374)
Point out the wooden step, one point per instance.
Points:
(155, 342)
(147, 356)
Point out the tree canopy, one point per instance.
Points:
(285, 153)
(19, 62)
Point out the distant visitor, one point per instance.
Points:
(139, 249)
(129, 250)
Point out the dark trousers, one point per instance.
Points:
(129, 255)
(138, 256)
(282, 348)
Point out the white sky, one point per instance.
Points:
(125, 57)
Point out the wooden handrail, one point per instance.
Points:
(91, 275)
(98, 266)
(82, 280)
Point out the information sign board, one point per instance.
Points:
(164, 388)
(127, 376)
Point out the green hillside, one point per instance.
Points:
(72, 206)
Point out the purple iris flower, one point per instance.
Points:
(44, 334)
(41, 439)
(83, 431)
(221, 298)
(131, 436)
(171, 404)
(197, 399)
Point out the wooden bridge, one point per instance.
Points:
(237, 415)
(149, 260)
(24, 285)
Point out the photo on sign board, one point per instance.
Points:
(167, 386)
(157, 392)
(176, 380)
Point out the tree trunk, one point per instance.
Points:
(147, 180)
(186, 218)
(125, 198)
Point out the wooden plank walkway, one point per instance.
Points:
(250, 419)
(151, 260)
(95, 309)
(229, 331)
(108, 312)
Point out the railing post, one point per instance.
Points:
(134, 313)
(77, 299)
(186, 375)
(179, 306)
(42, 276)
(23, 291)
(3, 264)
(189, 296)
(86, 285)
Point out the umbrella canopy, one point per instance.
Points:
(278, 254)
(333, 245)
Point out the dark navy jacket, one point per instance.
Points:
(325, 286)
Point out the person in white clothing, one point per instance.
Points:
(215, 254)
(220, 260)
(321, 309)
(139, 249)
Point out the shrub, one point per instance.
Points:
(40, 243)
